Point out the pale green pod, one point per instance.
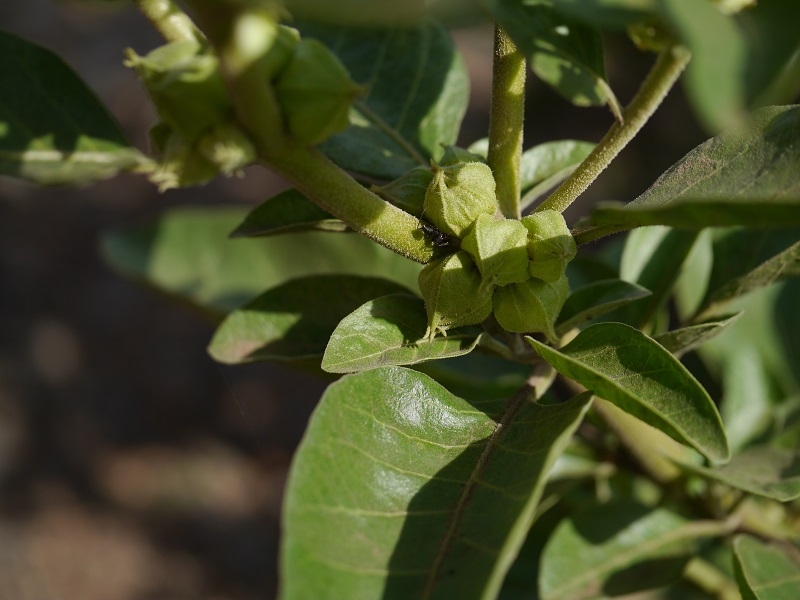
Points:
(277, 57)
(550, 244)
(408, 191)
(315, 93)
(451, 287)
(184, 82)
(531, 306)
(227, 147)
(458, 194)
(180, 163)
(499, 249)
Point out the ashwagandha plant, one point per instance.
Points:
(517, 418)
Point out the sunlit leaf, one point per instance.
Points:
(401, 490)
(53, 129)
(595, 299)
(683, 340)
(634, 372)
(391, 331)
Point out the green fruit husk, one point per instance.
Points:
(531, 306)
(458, 194)
(499, 249)
(550, 245)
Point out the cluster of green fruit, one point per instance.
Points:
(512, 268)
(197, 137)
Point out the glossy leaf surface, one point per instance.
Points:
(765, 571)
(391, 331)
(616, 549)
(417, 93)
(634, 372)
(53, 129)
(287, 212)
(187, 254)
(402, 490)
(295, 319)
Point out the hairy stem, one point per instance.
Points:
(659, 81)
(506, 120)
(241, 40)
(169, 20)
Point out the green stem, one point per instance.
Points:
(711, 580)
(506, 120)
(169, 20)
(659, 81)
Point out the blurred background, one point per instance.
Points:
(132, 466)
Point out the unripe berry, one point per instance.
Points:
(315, 93)
(531, 306)
(458, 194)
(550, 244)
(451, 287)
(499, 249)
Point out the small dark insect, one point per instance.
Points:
(438, 238)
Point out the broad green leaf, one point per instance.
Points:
(683, 340)
(687, 212)
(618, 548)
(760, 470)
(288, 212)
(634, 372)
(544, 165)
(402, 490)
(745, 261)
(53, 129)
(187, 254)
(745, 176)
(391, 331)
(295, 319)
(564, 53)
(417, 93)
(765, 571)
(608, 14)
(715, 76)
(595, 299)
(653, 258)
(747, 393)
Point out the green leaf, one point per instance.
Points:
(293, 320)
(417, 95)
(761, 470)
(745, 176)
(653, 258)
(187, 254)
(608, 14)
(391, 331)
(53, 129)
(595, 299)
(745, 261)
(562, 52)
(634, 372)
(715, 76)
(616, 549)
(402, 490)
(765, 571)
(543, 166)
(477, 376)
(683, 340)
(288, 212)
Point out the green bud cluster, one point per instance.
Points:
(512, 268)
(196, 137)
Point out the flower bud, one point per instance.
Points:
(315, 93)
(531, 306)
(185, 85)
(227, 147)
(458, 194)
(499, 249)
(451, 287)
(181, 164)
(407, 192)
(277, 57)
(550, 244)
